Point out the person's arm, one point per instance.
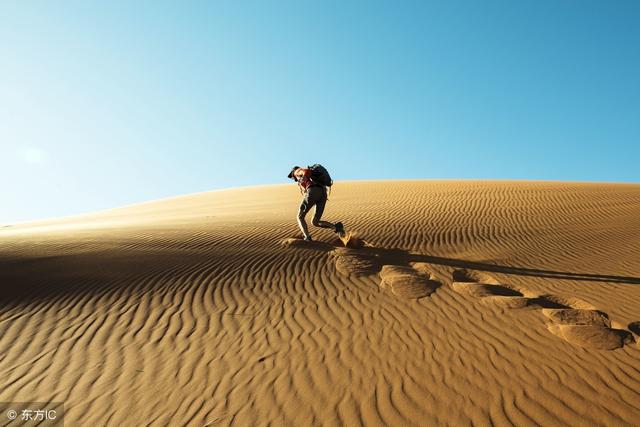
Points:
(301, 173)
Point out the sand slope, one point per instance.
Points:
(472, 302)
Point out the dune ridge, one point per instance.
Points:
(472, 302)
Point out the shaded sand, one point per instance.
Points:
(460, 303)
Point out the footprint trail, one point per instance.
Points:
(571, 319)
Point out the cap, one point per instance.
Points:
(295, 168)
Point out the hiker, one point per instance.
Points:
(313, 182)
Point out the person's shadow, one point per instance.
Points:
(360, 258)
(379, 257)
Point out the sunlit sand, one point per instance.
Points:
(449, 303)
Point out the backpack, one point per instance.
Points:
(320, 175)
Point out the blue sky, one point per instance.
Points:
(112, 103)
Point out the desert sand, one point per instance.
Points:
(461, 303)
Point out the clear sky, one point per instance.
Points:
(104, 104)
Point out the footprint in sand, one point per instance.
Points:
(635, 328)
(356, 262)
(571, 319)
(482, 286)
(408, 282)
(356, 259)
(404, 281)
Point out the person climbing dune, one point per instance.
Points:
(313, 182)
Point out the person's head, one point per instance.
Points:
(292, 173)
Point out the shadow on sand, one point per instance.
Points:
(401, 257)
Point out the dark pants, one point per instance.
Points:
(314, 196)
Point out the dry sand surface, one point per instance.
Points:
(467, 302)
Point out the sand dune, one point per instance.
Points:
(460, 303)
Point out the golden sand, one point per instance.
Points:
(456, 303)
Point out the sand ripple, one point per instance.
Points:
(471, 303)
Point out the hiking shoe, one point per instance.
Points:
(308, 239)
(340, 228)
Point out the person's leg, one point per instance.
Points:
(319, 196)
(305, 206)
(318, 214)
(337, 227)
